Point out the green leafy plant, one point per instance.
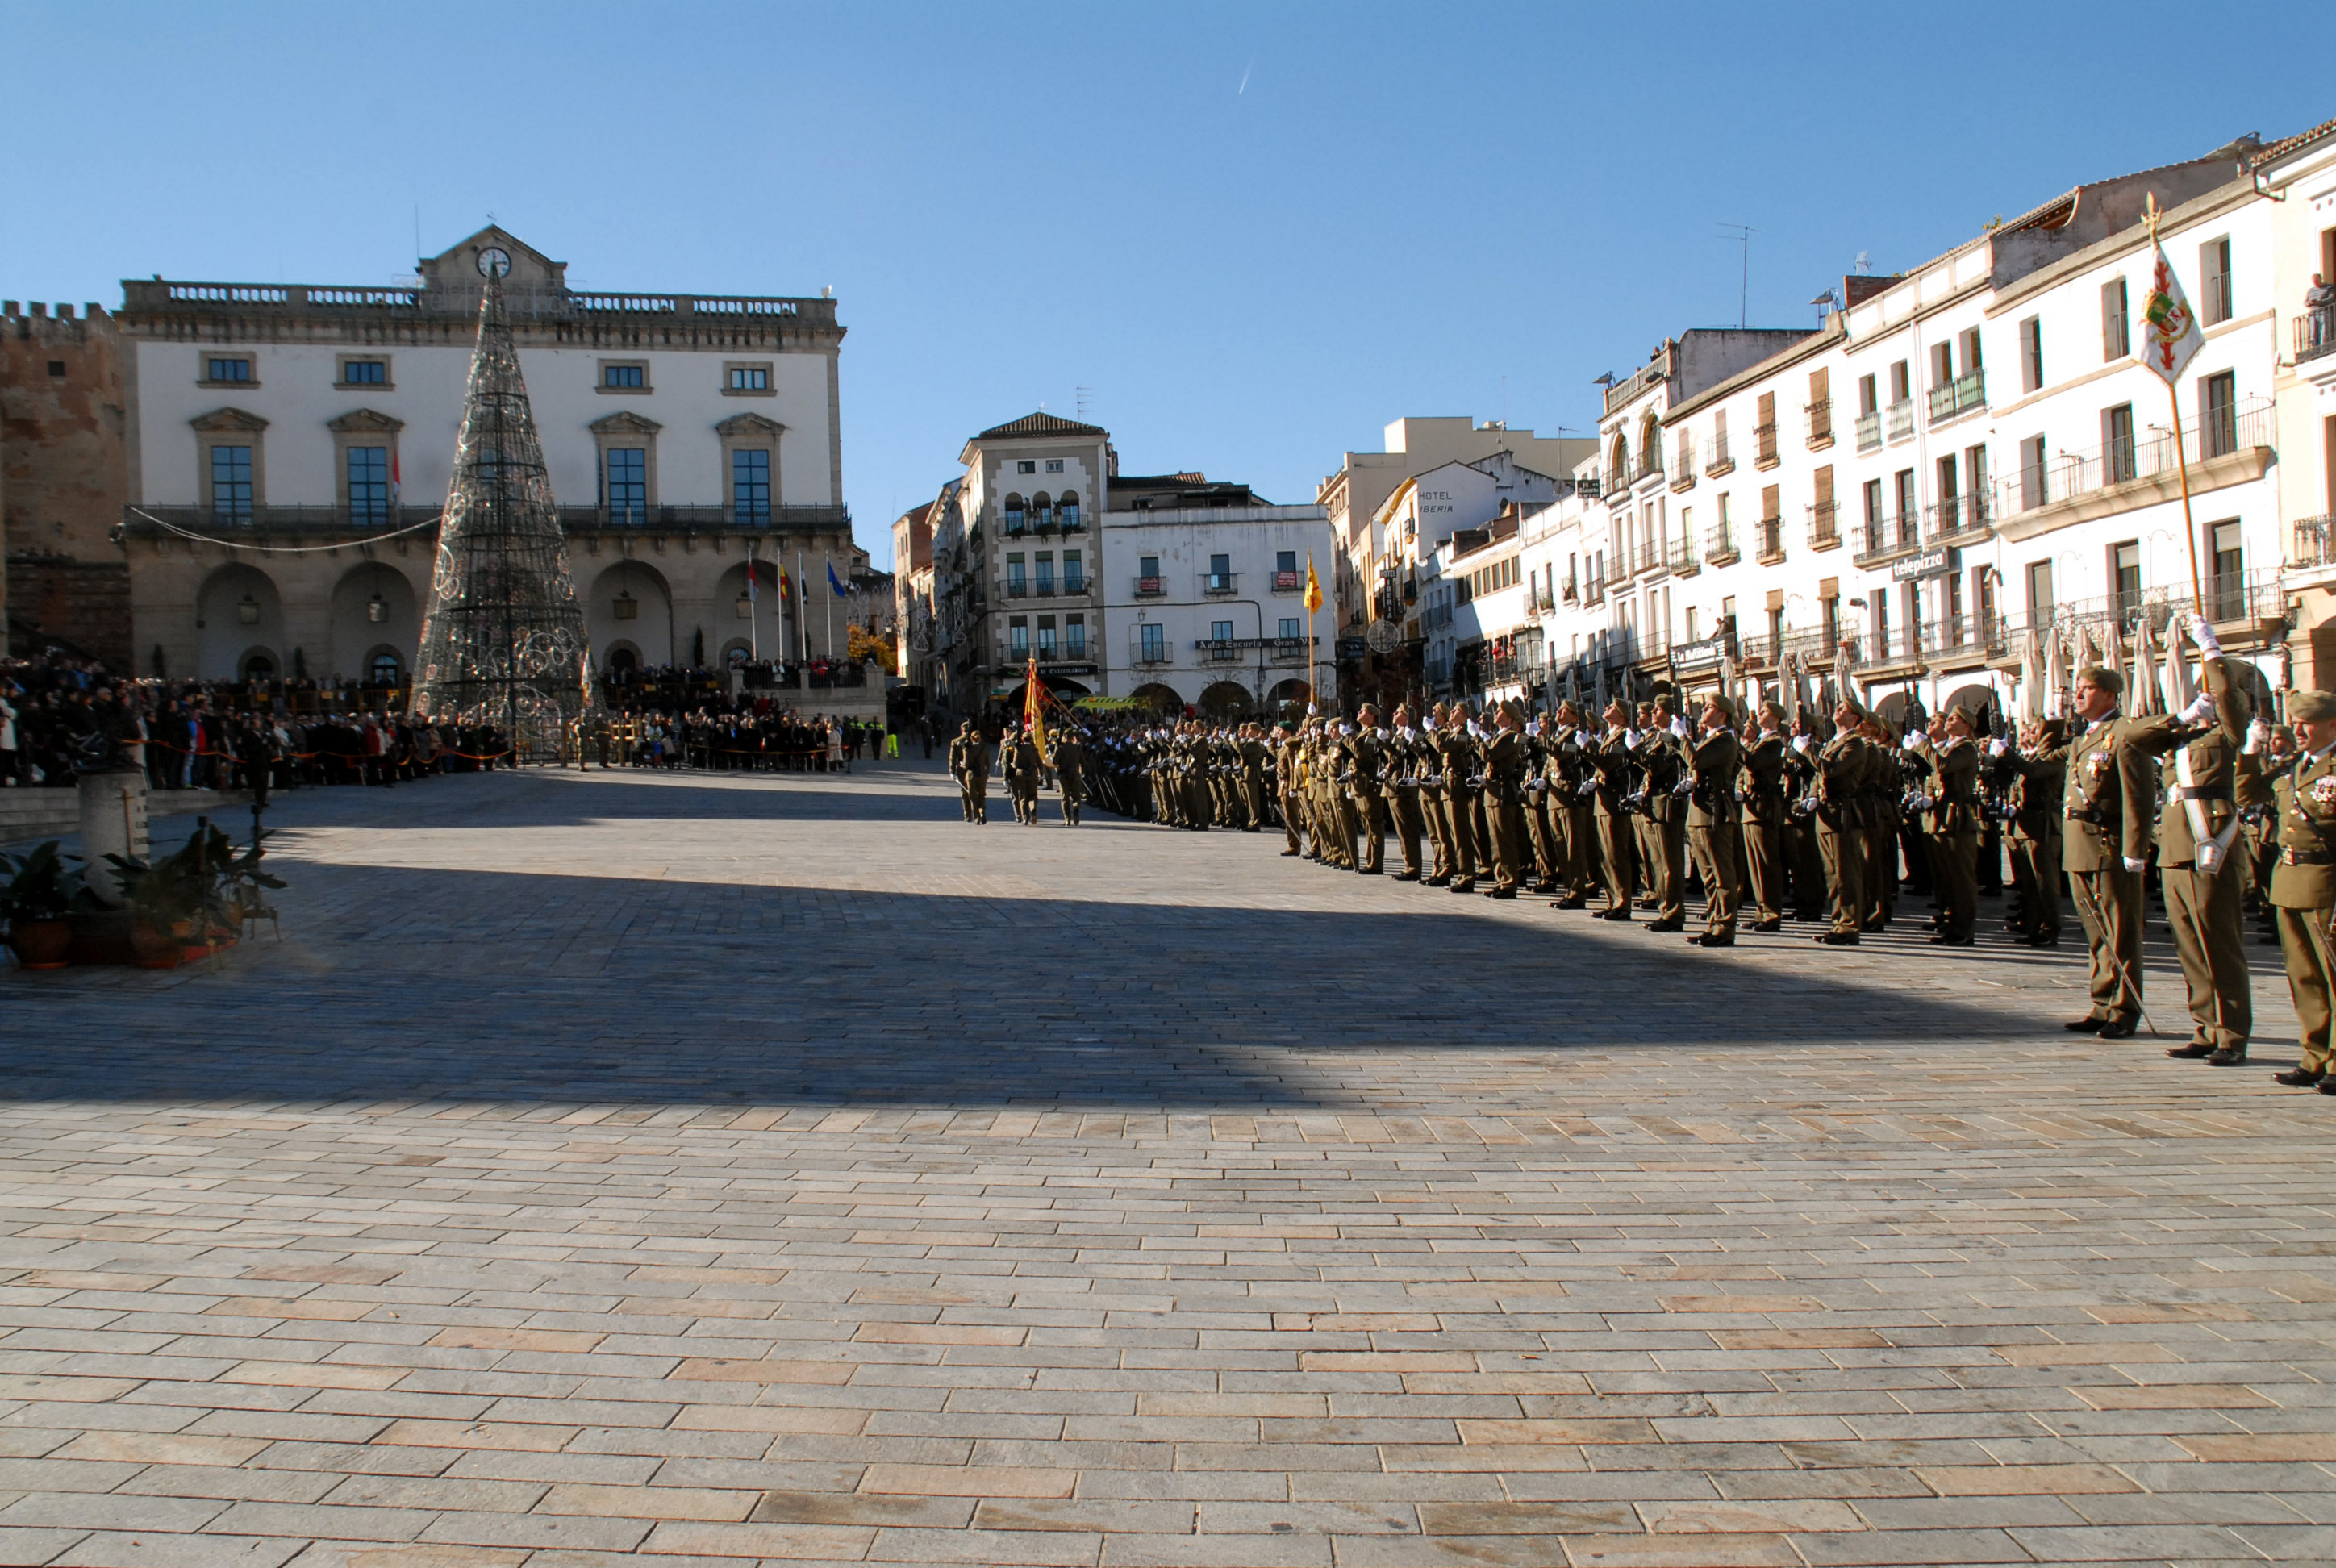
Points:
(41, 885)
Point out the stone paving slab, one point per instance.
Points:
(674, 1169)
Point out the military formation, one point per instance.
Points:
(1759, 815)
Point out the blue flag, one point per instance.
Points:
(832, 582)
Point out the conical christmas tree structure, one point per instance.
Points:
(502, 643)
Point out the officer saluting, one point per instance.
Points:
(2108, 803)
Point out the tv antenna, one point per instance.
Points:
(1743, 237)
(1086, 395)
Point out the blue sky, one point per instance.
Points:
(1257, 232)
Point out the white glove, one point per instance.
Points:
(1801, 743)
(1998, 747)
(2258, 737)
(2203, 635)
(2200, 710)
(1630, 739)
(1678, 726)
(2134, 866)
(1917, 741)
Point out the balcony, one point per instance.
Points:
(1151, 588)
(1716, 460)
(1683, 467)
(1820, 415)
(1289, 581)
(2078, 486)
(2315, 543)
(1951, 400)
(1044, 588)
(1869, 431)
(1824, 526)
(1685, 562)
(1720, 546)
(1218, 652)
(1771, 540)
(1070, 520)
(1151, 655)
(1763, 444)
(1219, 584)
(1073, 586)
(1651, 465)
(1015, 524)
(2315, 332)
(1957, 519)
(1287, 650)
(1886, 539)
(1017, 587)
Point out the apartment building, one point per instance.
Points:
(1961, 453)
(2298, 176)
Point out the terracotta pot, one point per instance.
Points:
(153, 949)
(41, 944)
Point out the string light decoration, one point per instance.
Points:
(503, 640)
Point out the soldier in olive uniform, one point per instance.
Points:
(1766, 794)
(2109, 805)
(1401, 781)
(1022, 775)
(1714, 759)
(1663, 770)
(1837, 801)
(2198, 854)
(1611, 762)
(968, 761)
(1256, 768)
(2037, 778)
(1366, 788)
(1504, 805)
(2303, 887)
(1457, 751)
(1435, 802)
(1071, 773)
(1951, 810)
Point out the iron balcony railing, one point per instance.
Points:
(1151, 588)
(1651, 464)
(1289, 581)
(1885, 539)
(1219, 584)
(1951, 399)
(1764, 440)
(1824, 525)
(2315, 332)
(1956, 518)
(1898, 420)
(2315, 541)
(1772, 541)
(1869, 431)
(1716, 461)
(2063, 476)
(1820, 416)
(1719, 544)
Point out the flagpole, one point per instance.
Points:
(753, 608)
(2181, 455)
(827, 605)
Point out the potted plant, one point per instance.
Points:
(38, 896)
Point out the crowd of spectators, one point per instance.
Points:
(60, 716)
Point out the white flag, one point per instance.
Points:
(2169, 330)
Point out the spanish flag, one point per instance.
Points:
(1313, 585)
(1034, 708)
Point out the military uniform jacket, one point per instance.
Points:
(1462, 764)
(1715, 760)
(2107, 800)
(1662, 763)
(1611, 759)
(1504, 766)
(2210, 755)
(1763, 773)
(1023, 766)
(2305, 876)
(1954, 788)
(1368, 754)
(1070, 761)
(957, 763)
(1839, 787)
(1403, 764)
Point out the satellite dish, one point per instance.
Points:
(1383, 637)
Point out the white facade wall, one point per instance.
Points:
(1260, 662)
(295, 392)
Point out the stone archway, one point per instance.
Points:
(238, 615)
(1226, 700)
(631, 601)
(1158, 696)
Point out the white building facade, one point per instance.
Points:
(1208, 607)
(683, 434)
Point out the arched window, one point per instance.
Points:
(1650, 444)
(1618, 462)
(1014, 516)
(385, 670)
(1041, 510)
(1068, 509)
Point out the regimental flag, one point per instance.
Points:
(1034, 707)
(1313, 585)
(2170, 334)
(832, 581)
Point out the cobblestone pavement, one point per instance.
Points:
(677, 1169)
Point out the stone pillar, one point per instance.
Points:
(112, 823)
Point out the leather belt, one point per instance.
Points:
(2291, 857)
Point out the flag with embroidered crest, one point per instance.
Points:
(2170, 335)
